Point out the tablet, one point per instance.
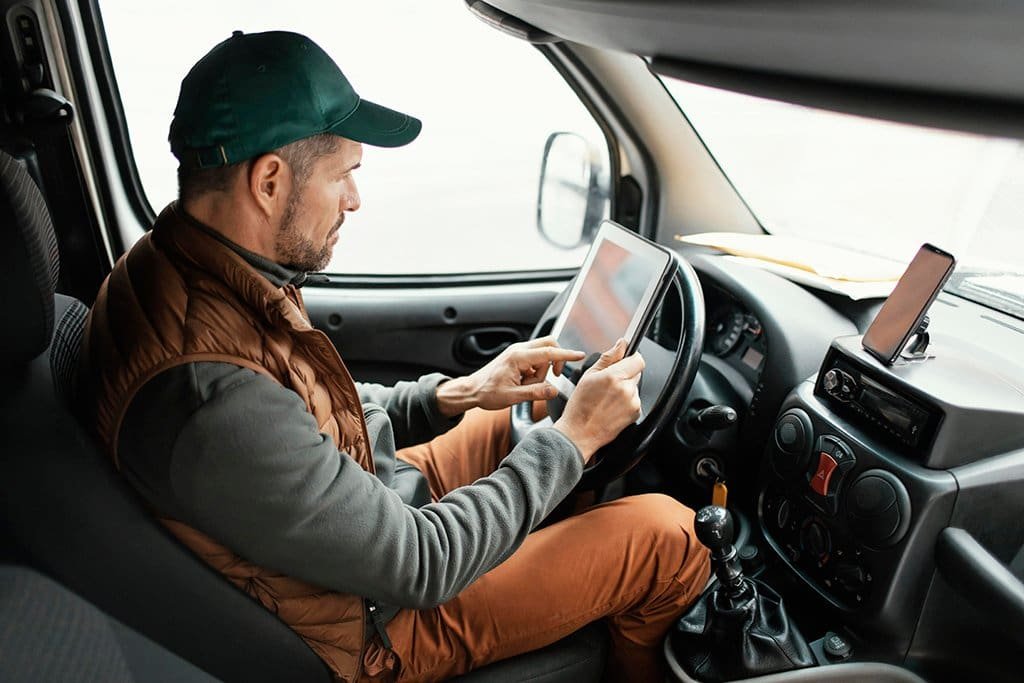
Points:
(617, 291)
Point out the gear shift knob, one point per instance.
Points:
(714, 528)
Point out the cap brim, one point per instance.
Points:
(375, 125)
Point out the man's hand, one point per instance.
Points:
(605, 401)
(515, 375)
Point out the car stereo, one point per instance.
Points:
(854, 392)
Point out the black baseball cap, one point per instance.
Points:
(256, 92)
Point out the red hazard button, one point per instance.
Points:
(821, 478)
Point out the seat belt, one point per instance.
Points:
(46, 144)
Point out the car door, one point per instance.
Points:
(443, 265)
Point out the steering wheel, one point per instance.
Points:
(666, 382)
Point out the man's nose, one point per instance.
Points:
(350, 200)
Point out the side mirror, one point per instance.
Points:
(573, 194)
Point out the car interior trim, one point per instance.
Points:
(937, 110)
(507, 24)
(885, 47)
(981, 577)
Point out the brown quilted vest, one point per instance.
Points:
(181, 296)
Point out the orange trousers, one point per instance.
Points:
(634, 562)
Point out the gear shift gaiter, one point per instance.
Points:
(739, 627)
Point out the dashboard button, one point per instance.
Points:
(823, 474)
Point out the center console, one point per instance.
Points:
(846, 497)
(854, 486)
(854, 489)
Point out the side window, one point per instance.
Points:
(463, 197)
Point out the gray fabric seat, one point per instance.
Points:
(66, 509)
(50, 634)
(75, 519)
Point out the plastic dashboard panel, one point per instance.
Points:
(969, 477)
(798, 327)
(901, 572)
(981, 404)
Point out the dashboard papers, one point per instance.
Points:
(833, 269)
(852, 290)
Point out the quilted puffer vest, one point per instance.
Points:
(181, 296)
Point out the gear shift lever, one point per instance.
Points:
(738, 628)
(715, 530)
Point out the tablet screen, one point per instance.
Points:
(618, 283)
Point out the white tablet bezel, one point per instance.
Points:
(615, 233)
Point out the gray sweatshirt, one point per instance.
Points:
(236, 455)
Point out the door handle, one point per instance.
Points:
(482, 344)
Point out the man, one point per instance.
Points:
(240, 426)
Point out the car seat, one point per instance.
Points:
(74, 518)
(50, 634)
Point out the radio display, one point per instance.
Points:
(887, 412)
(897, 411)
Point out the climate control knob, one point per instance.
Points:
(815, 540)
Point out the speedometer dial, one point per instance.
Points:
(725, 330)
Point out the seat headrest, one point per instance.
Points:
(29, 264)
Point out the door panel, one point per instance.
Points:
(481, 344)
(388, 334)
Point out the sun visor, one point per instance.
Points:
(946, 64)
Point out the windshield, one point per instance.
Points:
(873, 186)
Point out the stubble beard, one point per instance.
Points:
(295, 250)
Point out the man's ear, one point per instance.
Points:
(269, 183)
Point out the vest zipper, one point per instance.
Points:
(378, 624)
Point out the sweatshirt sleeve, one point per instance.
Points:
(250, 468)
(411, 407)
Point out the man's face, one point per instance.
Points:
(316, 209)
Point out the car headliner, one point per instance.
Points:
(944, 63)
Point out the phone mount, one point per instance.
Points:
(917, 348)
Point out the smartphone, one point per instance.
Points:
(903, 311)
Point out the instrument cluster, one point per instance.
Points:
(735, 335)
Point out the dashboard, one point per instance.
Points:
(852, 471)
(732, 333)
(763, 336)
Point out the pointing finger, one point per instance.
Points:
(541, 341)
